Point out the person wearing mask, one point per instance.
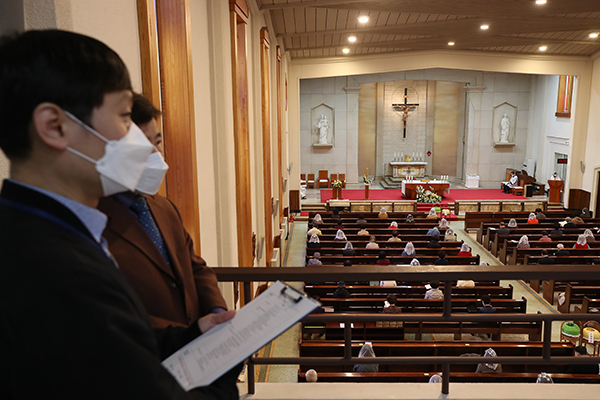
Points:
(432, 214)
(372, 243)
(561, 252)
(449, 235)
(442, 259)
(366, 351)
(363, 231)
(581, 243)
(433, 231)
(465, 251)
(434, 243)
(394, 237)
(434, 293)
(393, 225)
(75, 328)
(486, 307)
(382, 214)
(349, 250)
(315, 260)
(314, 230)
(523, 243)
(545, 258)
(382, 259)
(512, 224)
(340, 235)
(314, 242)
(532, 220)
(409, 250)
(545, 237)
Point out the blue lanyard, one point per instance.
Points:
(52, 218)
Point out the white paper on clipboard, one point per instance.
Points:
(209, 356)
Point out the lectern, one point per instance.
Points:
(555, 188)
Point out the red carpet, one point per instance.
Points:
(396, 194)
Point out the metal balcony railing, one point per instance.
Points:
(446, 274)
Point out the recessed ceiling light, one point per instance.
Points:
(450, 43)
(363, 19)
(593, 35)
(543, 48)
(346, 50)
(484, 27)
(540, 1)
(352, 39)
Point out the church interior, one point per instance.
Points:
(276, 111)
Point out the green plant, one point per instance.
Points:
(427, 196)
(367, 180)
(337, 183)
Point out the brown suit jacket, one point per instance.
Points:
(172, 296)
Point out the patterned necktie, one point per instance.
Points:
(140, 207)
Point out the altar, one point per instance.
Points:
(409, 188)
(402, 169)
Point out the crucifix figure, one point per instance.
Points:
(405, 108)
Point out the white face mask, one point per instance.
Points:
(153, 175)
(124, 160)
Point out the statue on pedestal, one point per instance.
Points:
(505, 125)
(323, 126)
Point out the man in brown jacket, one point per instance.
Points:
(175, 285)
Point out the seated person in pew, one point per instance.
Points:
(409, 250)
(545, 237)
(340, 235)
(317, 219)
(581, 243)
(502, 230)
(589, 236)
(532, 220)
(314, 230)
(434, 293)
(569, 224)
(523, 243)
(512, 224)
(433, 231)
(561, 252)
(465, 251)
(393, 225)
(539, 214)
(382, 259)
(349, 250)
(487, 308)
(339, 225)
(545, 258)
(394, 237)
(513, 182)
(414, 262)
(578, 221)
(450, 236)
(442, 259)
(311, 376)
(341, 292)
(314, 242)
(336, 214)
(390, 307)
(557, 229)
(315, 259)
(589, 369)
(489, 367)
(366, 351)
(361, 220)
(363, 230)
(434, 243)
(382, 214)
(437, 378)
(585, 213)
(410, 219)
(443, 223)
(544, 378)
(432, 214)
(372, 243)
(347, 263)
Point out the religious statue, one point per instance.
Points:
(505, 125)
(323, 127)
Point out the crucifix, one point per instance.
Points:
(405, 108)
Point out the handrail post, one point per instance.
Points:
(445, 378)
(546, 350)
(348, 339)
(447, 298)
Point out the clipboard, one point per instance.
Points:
(206, 358)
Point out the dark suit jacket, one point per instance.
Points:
(172, 296)
(71, 326)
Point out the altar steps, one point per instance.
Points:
(391, 182)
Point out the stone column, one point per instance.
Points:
(352, 134)
(472, 129)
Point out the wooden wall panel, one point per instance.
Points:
(238, 26)
(279, 154)
(266, 139)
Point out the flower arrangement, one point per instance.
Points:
(427, 196)
(367, 180)
(337, 183)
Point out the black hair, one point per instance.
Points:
(382, 254)
(486, 300)
(347, 263)
(538, 210)
(363, 226)
(143, 111)
(395, 233)
(392, 299)
(502, 223)
(545, 233)
(361, 216)
(68, 69)
(442, 254)
(544, 252)
(434, 284)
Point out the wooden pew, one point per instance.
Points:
(498, 241)
(474, 219)
(326, 241)
(495, 283)
(416, 305)
(562, 260)
(587, 304)
(576, 294)
(338, 245)
(518, 255)
(399, 260)
(551, 286)
(476, 292)
(394, 252)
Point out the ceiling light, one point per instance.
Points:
(346, 50)
(450, 43)
(543, 48)
(363, 19)
(593, 35)
(540, 1)
(352, 39)
(484, 27)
